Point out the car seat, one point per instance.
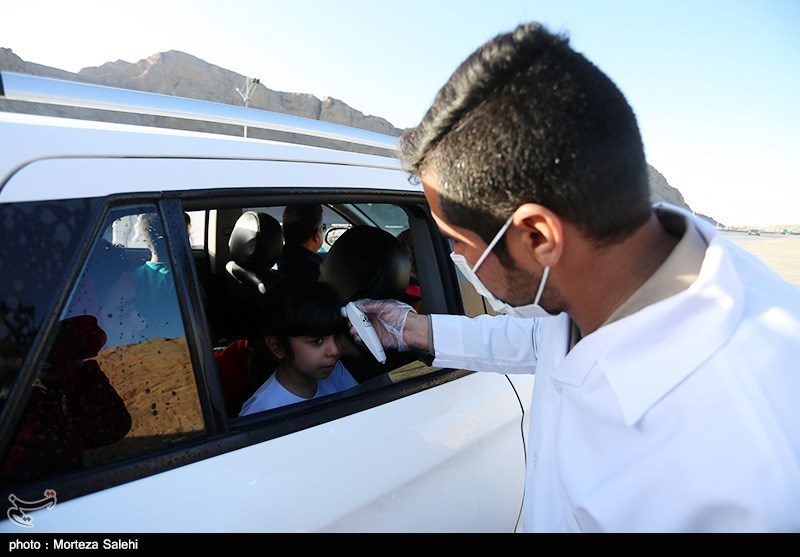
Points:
(255, 246)
(367, 262)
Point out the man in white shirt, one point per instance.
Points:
(667, 359)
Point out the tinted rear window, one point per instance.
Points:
(37, 243)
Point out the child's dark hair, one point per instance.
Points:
(301, 308)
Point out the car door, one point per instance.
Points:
(413, 449)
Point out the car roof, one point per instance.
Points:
(40, 138)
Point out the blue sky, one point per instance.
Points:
(715, 83)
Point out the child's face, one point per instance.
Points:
(314, 357)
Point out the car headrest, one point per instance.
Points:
(367, 262)
(256, 241)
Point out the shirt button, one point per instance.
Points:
(556, 386)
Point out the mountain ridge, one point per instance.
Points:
(174, 72)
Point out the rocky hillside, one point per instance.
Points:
(660, 190)
(181, 74)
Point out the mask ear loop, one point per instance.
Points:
(538, 297)
(493, 243)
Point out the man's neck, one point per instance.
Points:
(596, 281)
(310, 245)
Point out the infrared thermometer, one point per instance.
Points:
(365, 330)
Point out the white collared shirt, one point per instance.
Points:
(681, 417)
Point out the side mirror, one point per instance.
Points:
(332, 234)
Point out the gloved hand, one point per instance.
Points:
(388, 317)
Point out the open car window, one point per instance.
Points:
(368, 252)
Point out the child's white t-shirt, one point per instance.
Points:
(272, 394)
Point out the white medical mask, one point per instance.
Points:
(530, 310)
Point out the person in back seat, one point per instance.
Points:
(302, 321)
(302, 236)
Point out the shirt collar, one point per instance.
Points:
(646, 354)
(678, 271)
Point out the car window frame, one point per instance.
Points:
(82, 482)
(223, 435)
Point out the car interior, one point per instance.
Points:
(236, 250)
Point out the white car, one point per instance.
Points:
(110, 424)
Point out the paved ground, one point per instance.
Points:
(781, 252)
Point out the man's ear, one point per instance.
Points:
(275, 347)
(540, 231)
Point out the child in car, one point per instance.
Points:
(301, 322)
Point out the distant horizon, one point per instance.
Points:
(768, 228)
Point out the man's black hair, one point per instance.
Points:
(300, 222)
(527, 119)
